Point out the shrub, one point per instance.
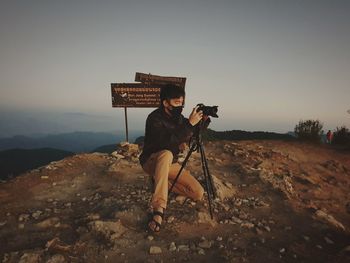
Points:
(342, 136)
(309, 130)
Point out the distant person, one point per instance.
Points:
(166, 132)
(329, 137)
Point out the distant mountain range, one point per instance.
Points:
(245, 135)
(22, 153)
(17, 161)
(76, 142)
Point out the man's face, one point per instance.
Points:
(173, 102)
(169, 104)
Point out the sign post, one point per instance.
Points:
(126, 124)
(141, 95)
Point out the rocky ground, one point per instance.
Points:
(277, 202)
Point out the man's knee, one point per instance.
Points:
(165, 155)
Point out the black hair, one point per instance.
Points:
(171, 91)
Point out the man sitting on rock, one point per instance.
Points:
(166, 130)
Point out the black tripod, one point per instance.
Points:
(196, 144)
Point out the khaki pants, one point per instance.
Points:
(159, 165)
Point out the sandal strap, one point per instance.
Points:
(158, 213)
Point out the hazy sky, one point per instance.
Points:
(267, 64)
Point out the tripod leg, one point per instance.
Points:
(213, 191)
(182, 167)
(206, 179)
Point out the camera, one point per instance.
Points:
(208, 110)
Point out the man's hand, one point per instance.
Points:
(195, 116)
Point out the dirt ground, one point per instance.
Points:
(277, 202)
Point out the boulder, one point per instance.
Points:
(111, 230)
(30, 258)
(329, 219)
(223, 190)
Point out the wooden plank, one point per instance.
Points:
(161, 80)
(134, 95)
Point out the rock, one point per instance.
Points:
(328, 240)
(30, 258)
(247, 225)
(129, 149)
(23, 218)
(58, 246)
(117, 155)
(205, 244)
(204, 217)
(2, 223)
(123, 144)
(154, 250)
(172, 247)
(58, 258)
(36, 214)
(170, 219)
(44, 177)
(109, 229)
(201, 251)
(306, 238)
(50, 222)
(97, 196)
(282, 250)
(236, 220)
(226, 207)
(183, 248)
(223, 190)
(150, 238)
(329, 219)
(282, 183)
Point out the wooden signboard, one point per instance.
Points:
(160, 80)
(135, 95)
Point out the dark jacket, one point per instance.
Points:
(164, 132)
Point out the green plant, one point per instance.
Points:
(342, 136)
(309, 130)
